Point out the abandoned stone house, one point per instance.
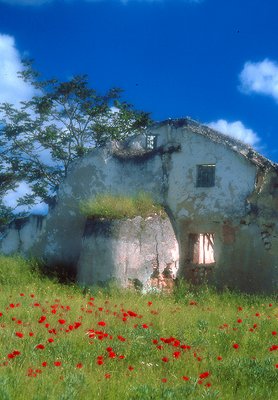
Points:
(221, 198)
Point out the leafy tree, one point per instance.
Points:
(62, 122)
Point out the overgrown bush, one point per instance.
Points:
(119, 207)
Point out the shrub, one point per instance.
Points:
(119, 207)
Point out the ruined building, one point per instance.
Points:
(221, 198)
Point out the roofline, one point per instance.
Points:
(236, 145)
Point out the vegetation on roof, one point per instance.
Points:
(111, 206)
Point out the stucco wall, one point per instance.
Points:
(131, 252)
(21, 234)
(235, 209)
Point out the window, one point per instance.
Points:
(151, 142)
(201, 246)
(205, 175)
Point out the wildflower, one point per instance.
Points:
(165, 359)
(44, 364)
(57, 363)
(219, 358)
(176, 354)
(40, 346)
(235, 346)
(239, 320)
(121, 357)
(208, 384)
(150, 303)
(121, 338)
(42, 319)
(130, 368)
(185, 378)
(50, 340)
(164, 380)
(61, 321)
(145, 326)
(101, 323)
(19, 334)
(79, 365)
(107, 376)
(204, 375)
(274, 333)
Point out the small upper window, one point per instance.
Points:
(151, 142)
(205, 175)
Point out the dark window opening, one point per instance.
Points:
(151, 142)
(205, 175)
(201, 248)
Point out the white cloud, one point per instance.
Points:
(260, 77)
(236, 130)
(12, 88)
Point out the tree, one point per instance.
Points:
(62, 122)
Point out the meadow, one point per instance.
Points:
(60, 341)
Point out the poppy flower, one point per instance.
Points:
(204, 375)
(164, 380)
(44, 364)
(79, 365)
(19, 334)
(274, 333)
(235, 346)
(185, 378)
(40, 346)
(165, 359)
(130, 368)
(57, 363)
(101, 323)
(61, 321)
(219, 358)
(107, 376)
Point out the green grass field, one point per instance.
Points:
(58, 342)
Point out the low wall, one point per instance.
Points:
(136, 251)
(21, 234)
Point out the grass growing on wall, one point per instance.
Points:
(57, 342)
(119, 207)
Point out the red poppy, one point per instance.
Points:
(185, 378)
(239, 320)
(235, 346)
(219, 358)
(79, 365)
(61, 321)
(145, 326)
(19, 334)
(164, 380)
(101, 323)
(44, 364)
(50, 340)
(57, 363)
(176, 354)
(130, 368)
(204, 375)
(274, 333)
(165, 359)
(40, 346)
(107, 376)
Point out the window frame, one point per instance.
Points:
(205, 176)
(151, 141)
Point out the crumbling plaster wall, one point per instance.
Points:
(21, 234)
(113, 250)
(241, 210)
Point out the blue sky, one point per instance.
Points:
(213, 60)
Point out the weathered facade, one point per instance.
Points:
(220, 195)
